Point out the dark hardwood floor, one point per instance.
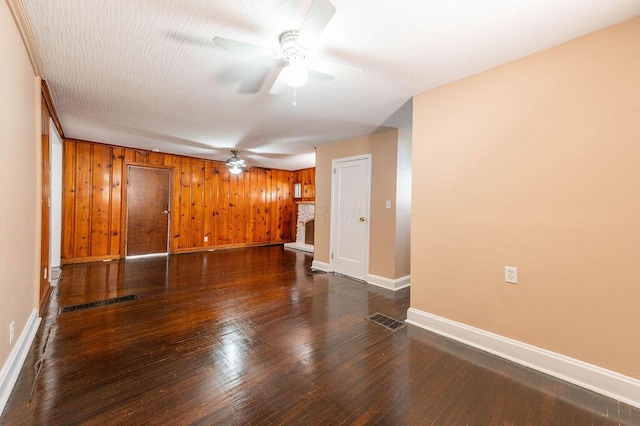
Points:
(247, 336)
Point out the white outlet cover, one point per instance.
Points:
(387, 204)
(511, 274)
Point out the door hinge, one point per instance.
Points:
(332, 255)
(334, 171)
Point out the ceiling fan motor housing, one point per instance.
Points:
(290, 47)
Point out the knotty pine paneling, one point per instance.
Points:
(306, 177)
(207, 202)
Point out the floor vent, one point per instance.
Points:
(315, 272)
(98, 304)
(385, 321)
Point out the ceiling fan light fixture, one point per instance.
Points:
(235, 170)
(236, 165)
(295, 74)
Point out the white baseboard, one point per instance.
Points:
(388, 283)
(606, 382)
(299, 246)
(13, 365)
(321, 266)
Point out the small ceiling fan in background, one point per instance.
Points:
(235, 164)
(294, 56)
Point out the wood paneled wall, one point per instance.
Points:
(306, 177)
(206, 201)
(45, 202)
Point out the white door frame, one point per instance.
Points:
(55, 217)
(334, 209)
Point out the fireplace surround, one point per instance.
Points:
(304, 227)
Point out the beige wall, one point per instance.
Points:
(383, 148)
(536, 164)
(19, 235)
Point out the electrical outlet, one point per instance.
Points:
(12, 331)
(511, 274)
(387, 204)
(206, 238)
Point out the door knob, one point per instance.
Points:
(362, 219)
(165, 212)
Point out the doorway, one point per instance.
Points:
(350, 190)
(147, 210)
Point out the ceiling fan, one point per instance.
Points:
(294, 54)
(235, 164)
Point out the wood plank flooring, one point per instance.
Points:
(247, 336)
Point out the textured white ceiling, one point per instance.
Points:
(145, 74)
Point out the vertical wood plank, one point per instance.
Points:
(185, 202)
(82, 233)
(116, 224)
(100, 197)
(68, 199)
(268, 210)
(197, 196)
(206, 204)
(129, 155)
(141, 157)
(278, 174)
(223, 223)
(175, 200)
(254, 208)
(287, 206)
(215, 205)
(246, 208)
(155, 159)
(234, 209)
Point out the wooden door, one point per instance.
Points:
(147, 210)
(349, 216)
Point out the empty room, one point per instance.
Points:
(320, 212)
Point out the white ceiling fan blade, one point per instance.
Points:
(274, 74)
(318, 16)
(239, 46)
(279, 86)
(337, 70)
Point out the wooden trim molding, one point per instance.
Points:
(46, 94)
(24, 26)
(597, 379)
(226, 247)
(177, 251)
(106, 258)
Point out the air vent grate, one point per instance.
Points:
(98, 304)
(385, 321)
(315, 272)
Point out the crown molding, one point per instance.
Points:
(20, 16)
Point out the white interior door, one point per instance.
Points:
(350, 216)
